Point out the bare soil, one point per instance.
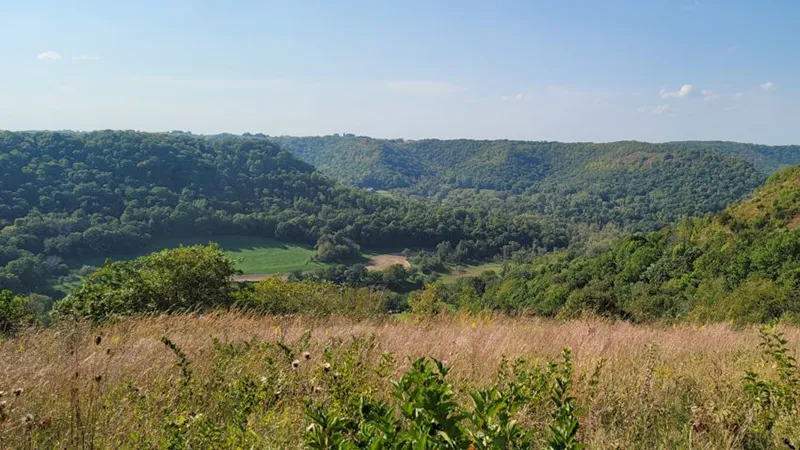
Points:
(380, 262)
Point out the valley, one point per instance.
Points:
(414, 225)
(606, 269)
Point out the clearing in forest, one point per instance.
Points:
(380, 262)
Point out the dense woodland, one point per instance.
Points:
(635, 185)
(742, 265)
(765, 158)
(68, 196)
(72, 196)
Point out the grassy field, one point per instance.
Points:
(470, 271)
(252, 254)
(227, 381)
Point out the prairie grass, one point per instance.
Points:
(118, 385)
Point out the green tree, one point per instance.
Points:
(426, 303)
(186, 278)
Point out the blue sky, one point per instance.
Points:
(564, 70)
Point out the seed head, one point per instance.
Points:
(18, 392)
(295, 363)
(98, 378)
(306, 355)
(3, 405)
(28, 419)
(326, 367)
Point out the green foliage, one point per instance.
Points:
(15, 313)
(765, 158)
(71, 197)
(430, 417)
(742, 265)
(321, 298)
(564, 432)
(336, 248)
(774, 403)
(425, 303)
(182, 279)
(637, 185)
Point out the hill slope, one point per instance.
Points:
(74, 195)
(766, 158)
(742, 264)
(637, 185)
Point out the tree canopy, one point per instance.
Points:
(68, 196)
(742, 264)
(636, 185)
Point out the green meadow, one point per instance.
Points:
(252, 254)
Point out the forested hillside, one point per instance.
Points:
(742, 264)
(766, 158)
(636, 185)
(68, 196)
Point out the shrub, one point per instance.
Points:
(185, 278)
(274, 296)
(15, 313)
(425, 413)
(425, 303)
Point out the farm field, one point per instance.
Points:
(258, 257)
(252, 254)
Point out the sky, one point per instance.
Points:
(566, 70)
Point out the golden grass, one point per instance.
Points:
(683, 363)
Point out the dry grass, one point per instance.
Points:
(657, 365)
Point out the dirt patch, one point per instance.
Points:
(380, 262)
(794, 223)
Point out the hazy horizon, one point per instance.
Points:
(33, 130)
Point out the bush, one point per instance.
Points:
(15, 313)
(425, 413)
(273, 296)
(185, 278)
(426, 303)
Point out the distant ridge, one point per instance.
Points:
(638, 185)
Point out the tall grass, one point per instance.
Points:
(241, 381)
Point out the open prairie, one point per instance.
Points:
(118, 385)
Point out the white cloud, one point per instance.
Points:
(769, 85)
(49, 56)
(685, 90)
(709, 95)
(517, 97)
(85, 58)
(423, 88)
(657, 110)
